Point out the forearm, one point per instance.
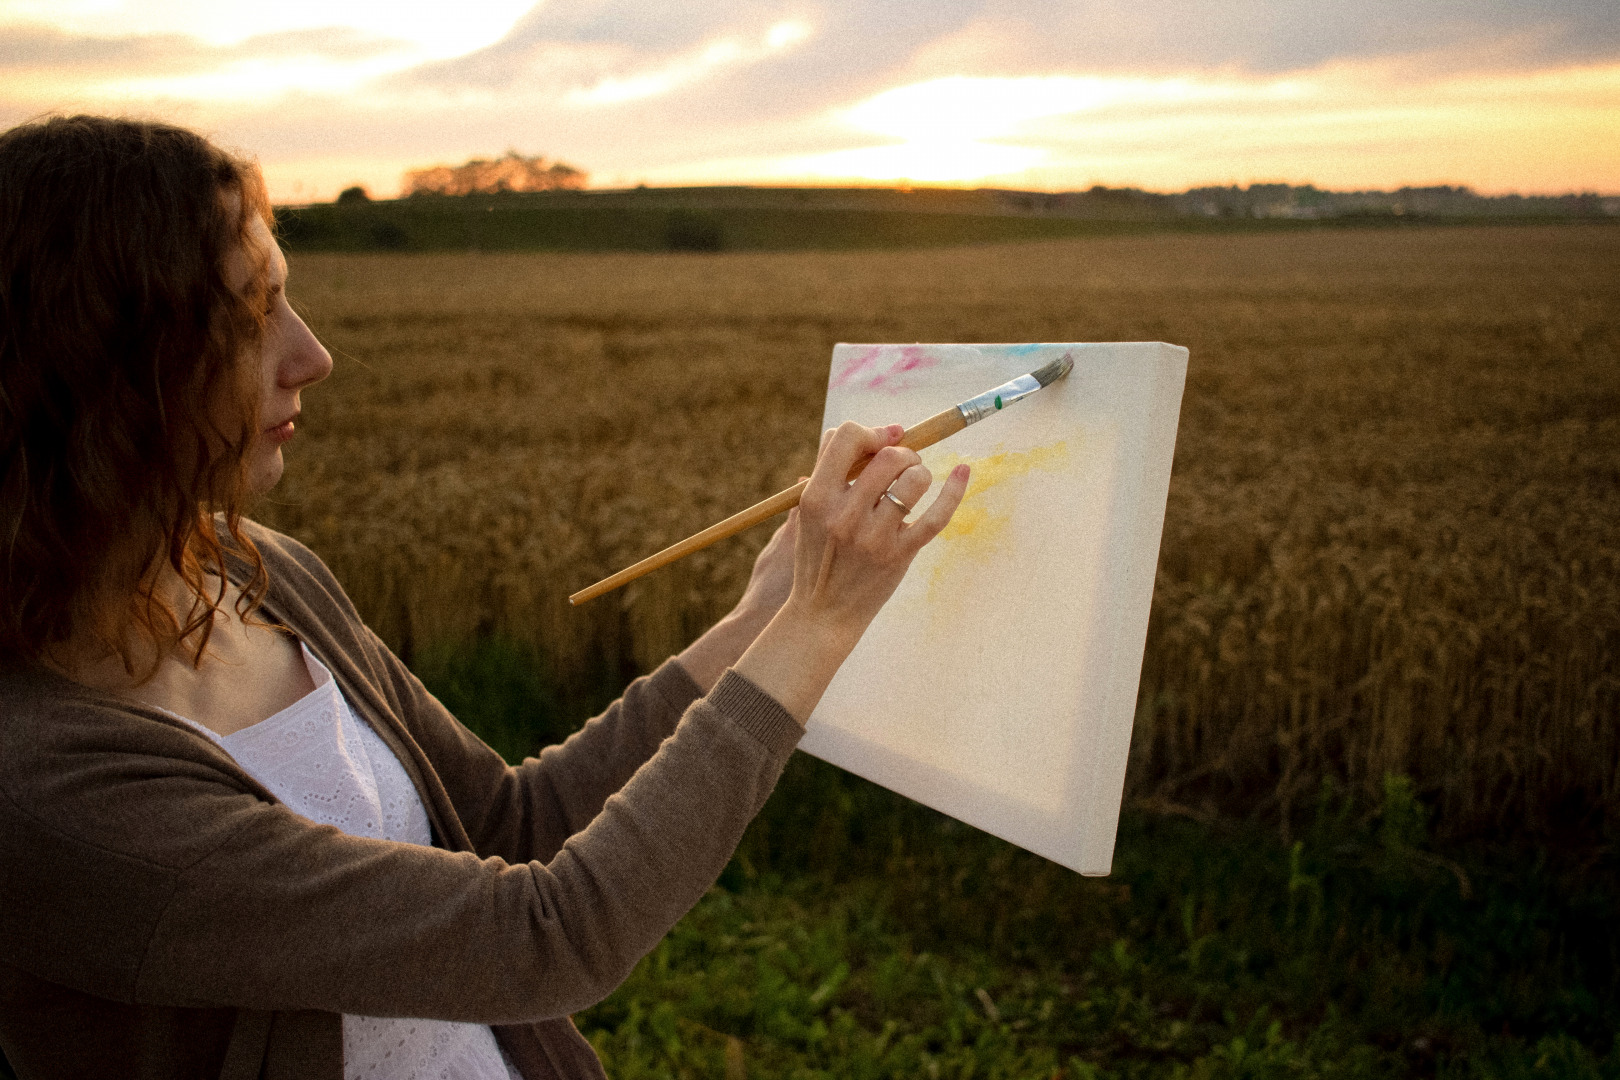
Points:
(795, 658)
(849, 552)
(722, 645)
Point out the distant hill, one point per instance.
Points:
(761, 219)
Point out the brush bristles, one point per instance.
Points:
(1048, 374)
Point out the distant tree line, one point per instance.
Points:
(1306, 202)
(1283, 200)
(510, 172)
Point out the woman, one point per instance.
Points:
(239, 837)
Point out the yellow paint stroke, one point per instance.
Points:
(976, 530)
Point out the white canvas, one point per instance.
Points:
(999, 684)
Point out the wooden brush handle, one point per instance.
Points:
(939, 426)
(736, 523)
(927, 433)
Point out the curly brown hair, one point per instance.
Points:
(125, 408)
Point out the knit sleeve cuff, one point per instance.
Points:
(675, 687)
(756, 712)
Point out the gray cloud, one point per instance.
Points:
(1269, 36)
(854, 43)
(862, 46)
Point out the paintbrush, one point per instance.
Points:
(930, 431)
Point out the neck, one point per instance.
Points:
(93, 663)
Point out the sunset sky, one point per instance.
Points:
(1499, 95)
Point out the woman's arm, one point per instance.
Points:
(142, 865)
(594, 762)
(853, 548)
(707, 658)
(848, 549)
(526, 811)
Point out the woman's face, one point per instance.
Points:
(291, 359)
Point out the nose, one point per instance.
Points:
(303, 360)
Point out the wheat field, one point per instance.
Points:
(1391, 540)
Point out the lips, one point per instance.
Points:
(280, 433)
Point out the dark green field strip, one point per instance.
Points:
(494, 225)
(647, 224)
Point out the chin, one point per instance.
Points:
(265, 473)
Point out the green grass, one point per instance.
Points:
(856, 934)
(877, 940)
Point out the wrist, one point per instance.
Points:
(796, 656)
(748, 615)
(817, 629)
(707, 658)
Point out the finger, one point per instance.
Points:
(912, 484)
(849, 443)
(929, 524)
(884, 469)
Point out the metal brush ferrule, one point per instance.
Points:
(975, 409)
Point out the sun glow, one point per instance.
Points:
(959, 108)
(941, 161)
(1348, 124)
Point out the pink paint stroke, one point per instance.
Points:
(855, 365)
(900, 376)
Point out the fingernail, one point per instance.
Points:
(895, 431)
(960, 472)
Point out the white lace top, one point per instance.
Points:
(325, 763)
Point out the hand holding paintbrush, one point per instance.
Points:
(930, 431)
(853, 547)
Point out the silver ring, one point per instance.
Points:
(904, 509)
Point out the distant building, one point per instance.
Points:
(512, 172)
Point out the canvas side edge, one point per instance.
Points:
(1125, 671)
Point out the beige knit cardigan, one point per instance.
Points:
(162, 915)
